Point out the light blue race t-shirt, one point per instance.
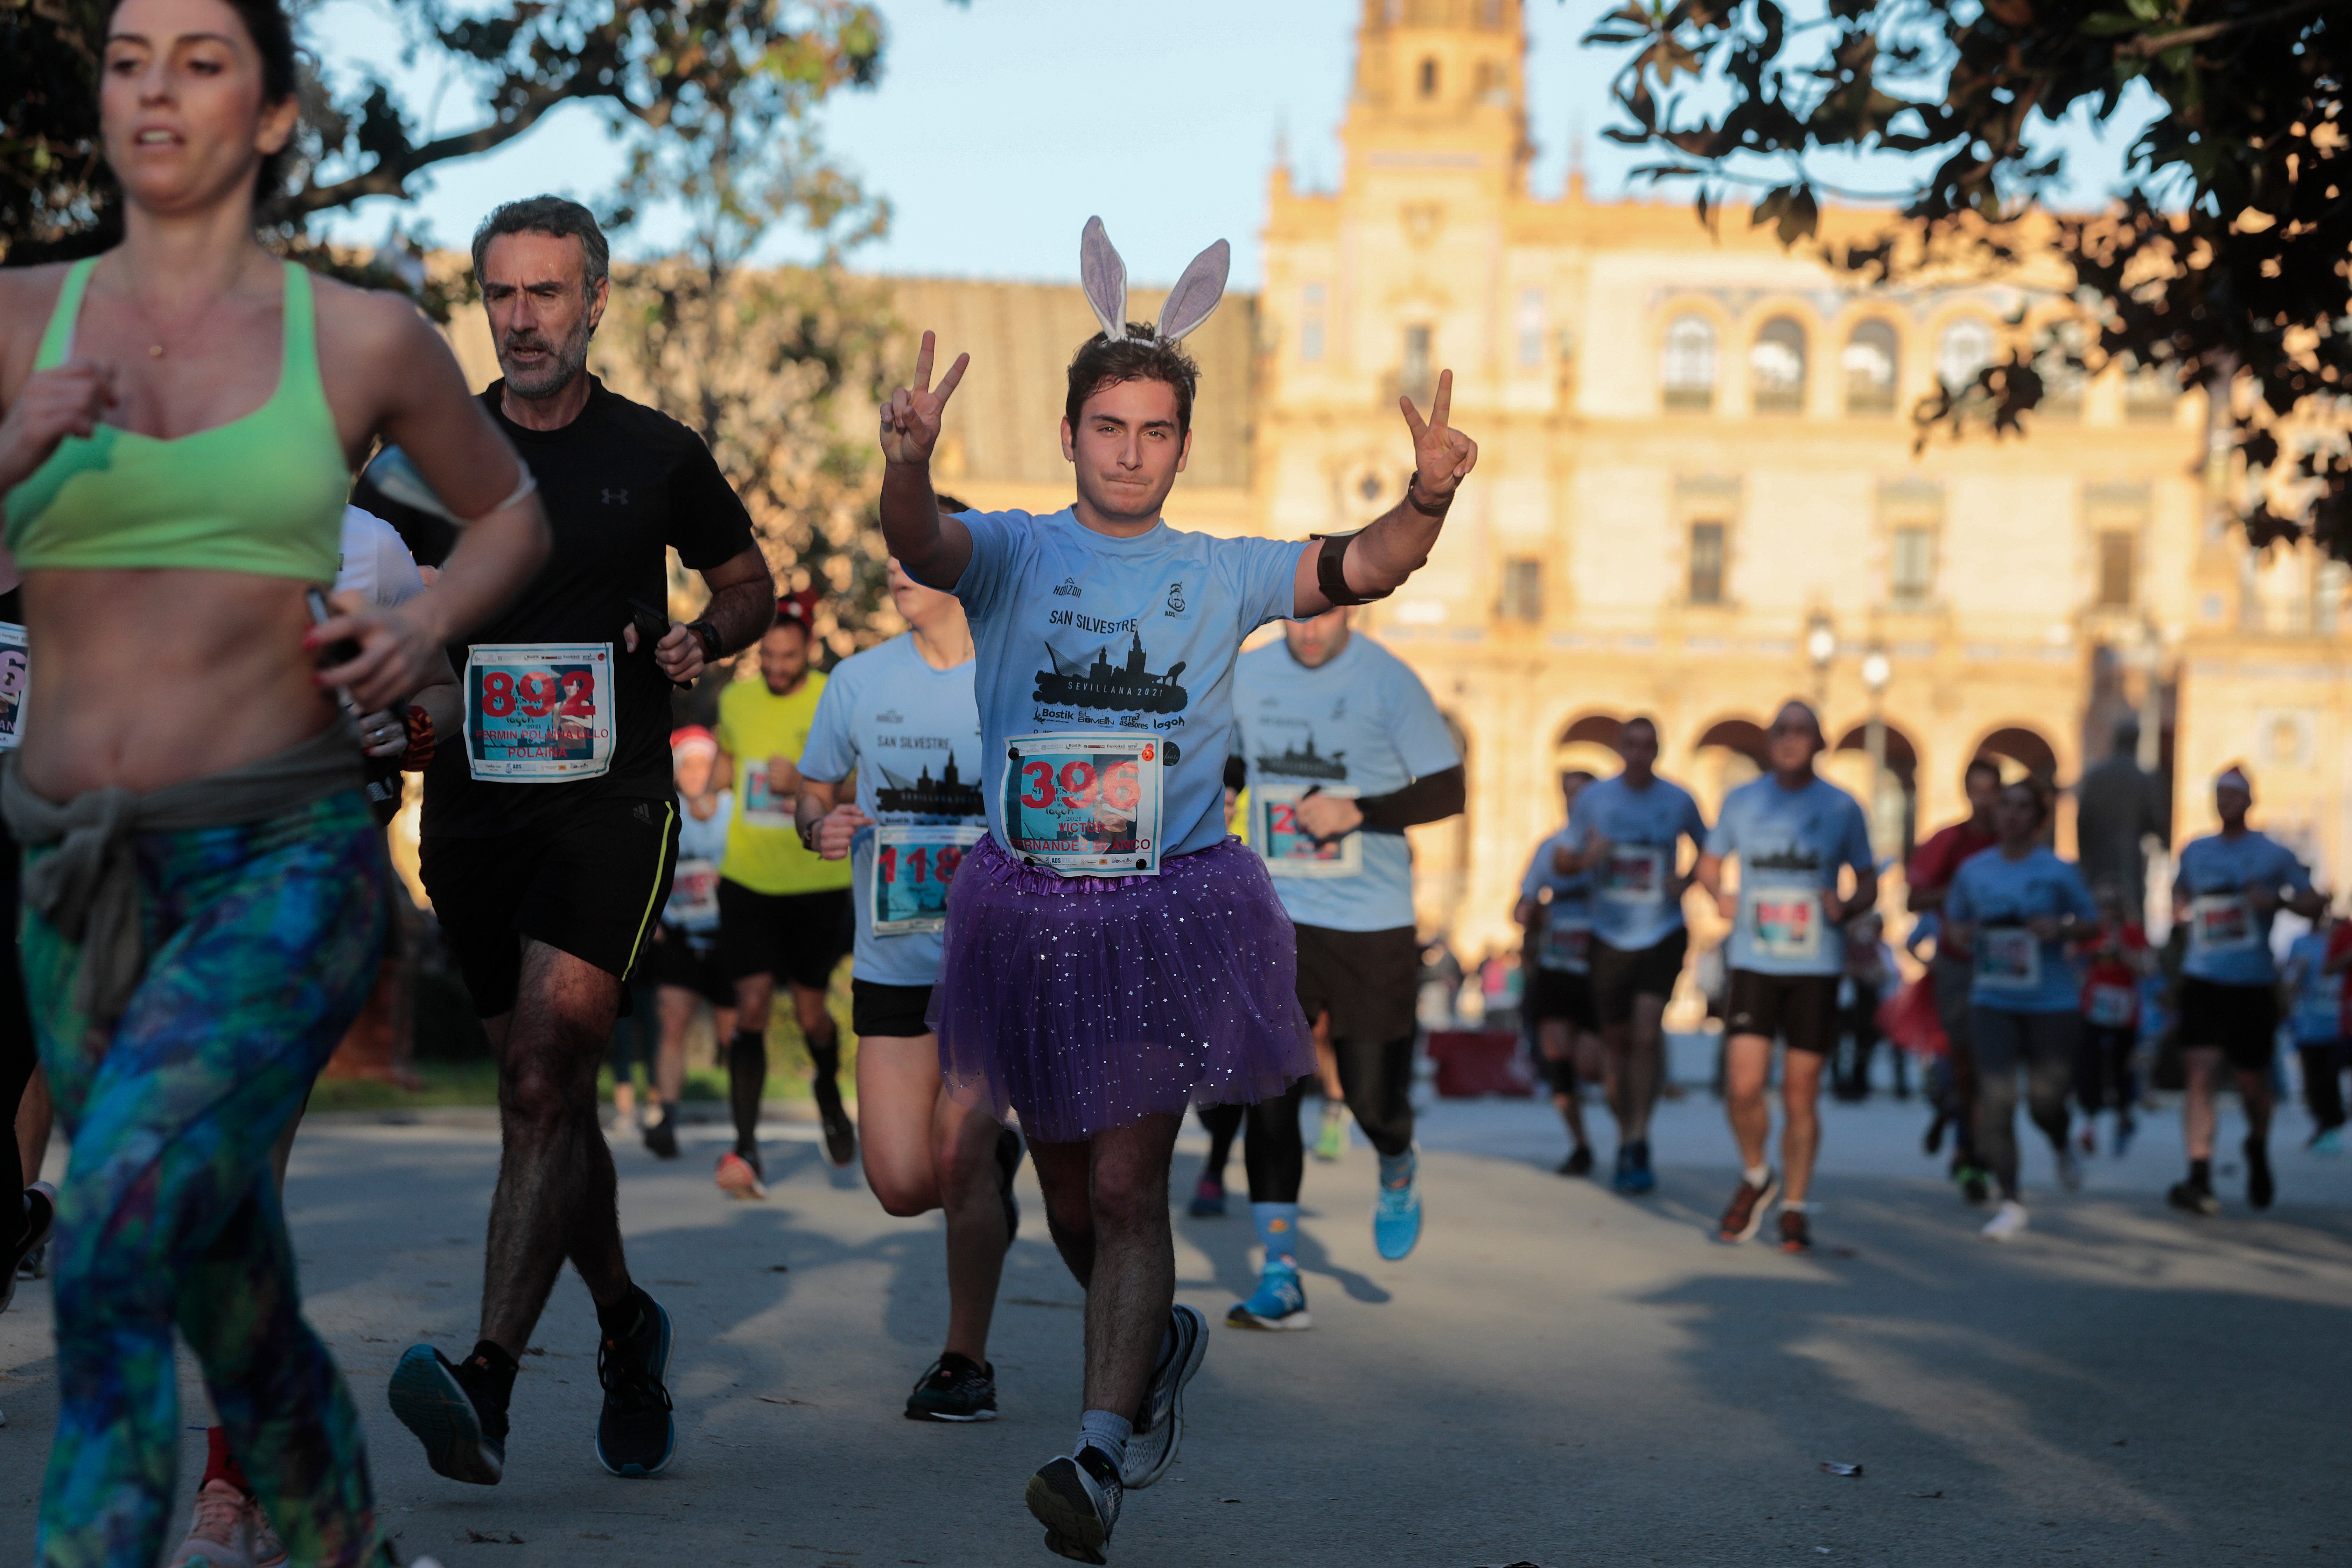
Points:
(1634, 904)
(2014, 972)
(2229, 939)
(1564, 926)
(1362, 724)
(693, 906)
(1790, 844)
(912, 734)
(1079, 631)
(2316, 1019)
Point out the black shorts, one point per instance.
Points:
(2240, 1020)
(1556, 993)
(1620, 975)
(1799, 1008)
(1367, 980)
(690, 965)
(797, 937)
(588, 879)
(894, 1012)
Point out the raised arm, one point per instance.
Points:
(934, 549)
(1374, 563)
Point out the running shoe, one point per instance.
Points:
(2194, 1197)
(2260, 1188)
(954, 1388)
(268, 1551)
(1974, 1181)
(221, 1533)
(465, 1437)
(1008, 1165)
(2007, 1223)
(1796, 1231)
(662, 1137)
(1160, 1427)
(2070, 1170)
(2329, 1142)
(1208, 1200)
(1621, 1179)
(1396, 1215)
(637, 1433)
(1076, 1500)
(1579, 1162)
(739, 1177)
(1639, 1177)
(2125, 1128)
(1934, 1141)
(1280, 1301)
(1744, 1215)
(40, 1219)
(1332, 1140)
(840, 1132)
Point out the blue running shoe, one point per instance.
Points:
(1208, 1200)
(1620, 1180)
(1638, 1177)
(637, 1434)
(1280, 1301)
(1396, 1219)
(464, 1440)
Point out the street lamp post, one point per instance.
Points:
(1876, 674)
(1820, 646)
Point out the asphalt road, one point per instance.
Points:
(1558, 1377)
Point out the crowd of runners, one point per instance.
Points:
(1093, 866)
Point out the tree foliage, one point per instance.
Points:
(2227, 263)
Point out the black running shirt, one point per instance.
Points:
(618, 484)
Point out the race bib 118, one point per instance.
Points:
(1289, 849)
(1084, 803)
(16, 677)
(537, 712)
(1785, 923)
(2009, 958)
(913, 867)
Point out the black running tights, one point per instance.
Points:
(18, 1054)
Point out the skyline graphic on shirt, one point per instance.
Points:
(1309, 763)
(1128, 688)
(946, 795)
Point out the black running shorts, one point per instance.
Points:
(588, 879)
(894, 1012)
(1556, 994)
(1367, 980)
(2240, 1021)
(1799, 1008)
(1620, 975)
(680, 961)
(797, 937)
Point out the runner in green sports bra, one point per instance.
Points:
(177, 422)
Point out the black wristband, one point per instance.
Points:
(708, 636)
(1412, 501)
(1331, 574)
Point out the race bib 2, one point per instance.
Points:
(538, 712)
(15, 678)
(1289, 849)
(2009, 958)
(913, 869)
(762, 808)
(1084, 803)
(1785, 923)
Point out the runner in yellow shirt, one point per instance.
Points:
(783, 910)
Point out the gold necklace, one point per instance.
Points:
(155, 349)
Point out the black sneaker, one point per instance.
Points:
(1076, 1500)
(1160, 1424)
(2260, 1186)
(1796, 1232)
(661, 1138)
(954, 1388)
(2193, 1196)
(1579, 1162)
(840, 1132)
(465, 1436)
(637, 1434)
(28, 1263)
(1008, 1165)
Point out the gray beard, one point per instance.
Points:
(570, 357)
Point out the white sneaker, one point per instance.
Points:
(221, 1533)
(2007, 1222)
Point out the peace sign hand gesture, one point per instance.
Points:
(911, 420)
(1443, 457)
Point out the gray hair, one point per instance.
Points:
(556, 215)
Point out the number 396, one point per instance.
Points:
(1075, 785)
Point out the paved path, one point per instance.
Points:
(1558, 1377)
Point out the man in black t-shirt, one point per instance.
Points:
(551, 825)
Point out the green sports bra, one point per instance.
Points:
(262, 494)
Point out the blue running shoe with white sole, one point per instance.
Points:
(1160, 1427)
(1396, 1218)
(463, 1440)
(637, 1434)
(1280, 1301)
(1639, 1178)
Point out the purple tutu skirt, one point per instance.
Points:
(1090, 1003)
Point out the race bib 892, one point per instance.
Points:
(538, 712)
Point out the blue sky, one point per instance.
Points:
(997, 129)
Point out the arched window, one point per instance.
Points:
(1429, 77)
(1964, 348)
(1871, 359)
(1688, 371)
(1776, 367)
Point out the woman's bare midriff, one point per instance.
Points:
(143, 678)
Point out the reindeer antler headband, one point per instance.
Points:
(1189, 303)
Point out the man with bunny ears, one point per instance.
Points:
(1111, 956)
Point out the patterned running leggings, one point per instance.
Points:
(261, 942)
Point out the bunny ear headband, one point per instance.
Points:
(1189, 303)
